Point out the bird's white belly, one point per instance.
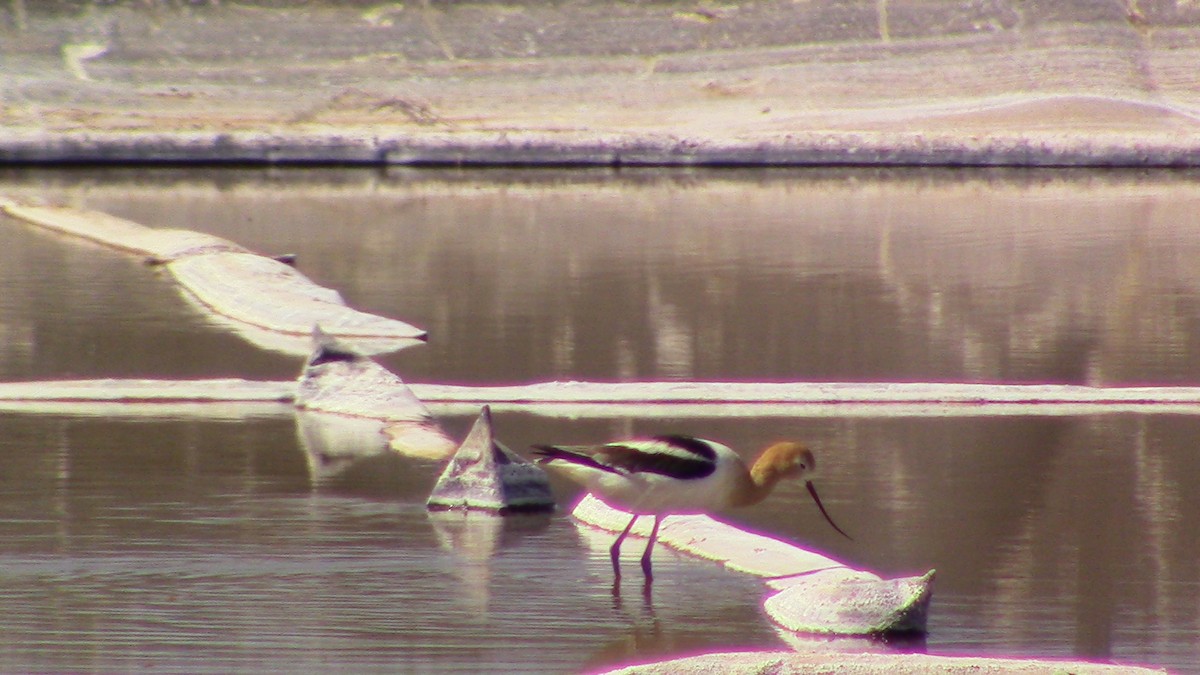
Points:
(652, 494)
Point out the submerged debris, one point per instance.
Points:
(486, 475)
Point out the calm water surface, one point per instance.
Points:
(204, 543)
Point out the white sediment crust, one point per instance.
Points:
(483, 474)
(852, 602)
(360, 388)
(807, 399)
(877, 409)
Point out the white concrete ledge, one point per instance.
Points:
(810, 393)
(811, 663)
(603, 399)
(210, 399)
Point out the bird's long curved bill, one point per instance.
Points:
(812, 490)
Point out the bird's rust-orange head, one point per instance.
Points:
(786, 459)
(789, 459)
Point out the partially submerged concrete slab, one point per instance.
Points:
(485, 475)
(251, 293)
(820, 595)
(338, 379)
(158, 245)
(810, 663)
(676, 399)
(270, 294)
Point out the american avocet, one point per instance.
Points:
(668, 475)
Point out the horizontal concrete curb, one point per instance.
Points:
(673, 398)
(810, 663)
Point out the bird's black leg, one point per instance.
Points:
(615, 551)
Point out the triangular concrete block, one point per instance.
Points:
(485, 475)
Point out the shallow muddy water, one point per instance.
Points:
(206, 543)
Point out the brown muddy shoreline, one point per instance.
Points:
(615, 84)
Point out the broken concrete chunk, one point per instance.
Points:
(484, 474)
(338, 379)
(846, 602)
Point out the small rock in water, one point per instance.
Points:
(485, 475)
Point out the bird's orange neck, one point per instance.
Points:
(757, 488)
(774, 463)
(759, 483)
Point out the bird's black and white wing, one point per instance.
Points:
(677, 457)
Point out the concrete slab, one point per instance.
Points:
(264, 299)
(339, 380)
(810, 663)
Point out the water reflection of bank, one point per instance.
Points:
(1064, 276)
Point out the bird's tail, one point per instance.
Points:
(545, 453)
